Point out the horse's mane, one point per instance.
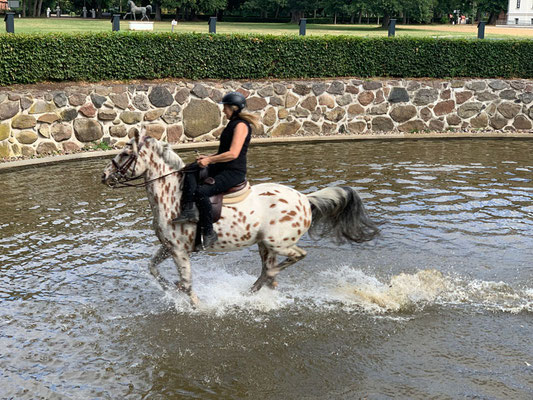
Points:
(167, 154)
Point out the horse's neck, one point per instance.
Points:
(164, 192)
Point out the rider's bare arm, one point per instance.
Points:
(239, 136)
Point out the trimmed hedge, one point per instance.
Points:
(125, 55)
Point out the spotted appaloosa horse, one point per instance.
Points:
(273, 216)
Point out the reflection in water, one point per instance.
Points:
(438, 306)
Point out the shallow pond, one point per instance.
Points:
(439, 306)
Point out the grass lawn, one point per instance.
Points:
(38, 25)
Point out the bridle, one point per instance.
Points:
(122, 179)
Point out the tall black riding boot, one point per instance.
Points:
(209, 237)
(189, 213)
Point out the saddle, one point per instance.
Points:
(233, 196)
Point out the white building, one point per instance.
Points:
(520, 12)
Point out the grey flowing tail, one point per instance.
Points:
(338, 212)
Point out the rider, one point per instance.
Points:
(227, 166)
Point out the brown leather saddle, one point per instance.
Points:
(216, 200)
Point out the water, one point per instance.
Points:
(440, 306)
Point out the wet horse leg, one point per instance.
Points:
(293, 254)
(268, 260)
(183, 264)
(161, 255)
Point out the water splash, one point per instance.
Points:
(404, 292)
(408, 293)
(350, 289)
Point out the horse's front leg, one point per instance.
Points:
(161, 255)
(183, 264)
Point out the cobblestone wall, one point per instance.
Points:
(44, 121)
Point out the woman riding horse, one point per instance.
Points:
(227, 166)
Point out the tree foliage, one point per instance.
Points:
(406, 11)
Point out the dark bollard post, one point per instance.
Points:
(303, 26)
(10, 22)
(212, 24)
(392, 28)
(481, 30)
(115, 20)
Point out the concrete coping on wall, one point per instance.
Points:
(45, 161)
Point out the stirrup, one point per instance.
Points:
(209, 239)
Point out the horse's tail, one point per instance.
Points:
(339, 212)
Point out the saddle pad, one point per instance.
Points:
(237, 197)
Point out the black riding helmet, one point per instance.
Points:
(234, 99)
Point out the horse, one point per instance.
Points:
(273, 216)
(138, 10)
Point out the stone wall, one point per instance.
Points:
(48, 119)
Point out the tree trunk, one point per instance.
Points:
(492, 18)
(386, 20)
(404, 20)
(157, 11)
(296, 15)
(360, 17)
(335, 19)
(23, 8)
(367, 19)
(39, 8)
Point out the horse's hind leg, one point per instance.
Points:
(161, 255)
(268, 260)
(293, 254)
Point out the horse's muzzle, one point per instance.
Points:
(109, 180)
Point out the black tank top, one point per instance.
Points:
(239, 164)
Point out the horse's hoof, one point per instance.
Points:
(182, 288)
(195, 302)
(256, 287)
(273, 284)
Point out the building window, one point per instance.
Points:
(516, 21)
(517, 3)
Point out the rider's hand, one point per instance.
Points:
(203, 161)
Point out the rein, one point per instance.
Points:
(125, 183)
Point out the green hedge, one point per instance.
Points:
(123, 56)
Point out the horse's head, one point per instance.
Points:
(128, 164)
